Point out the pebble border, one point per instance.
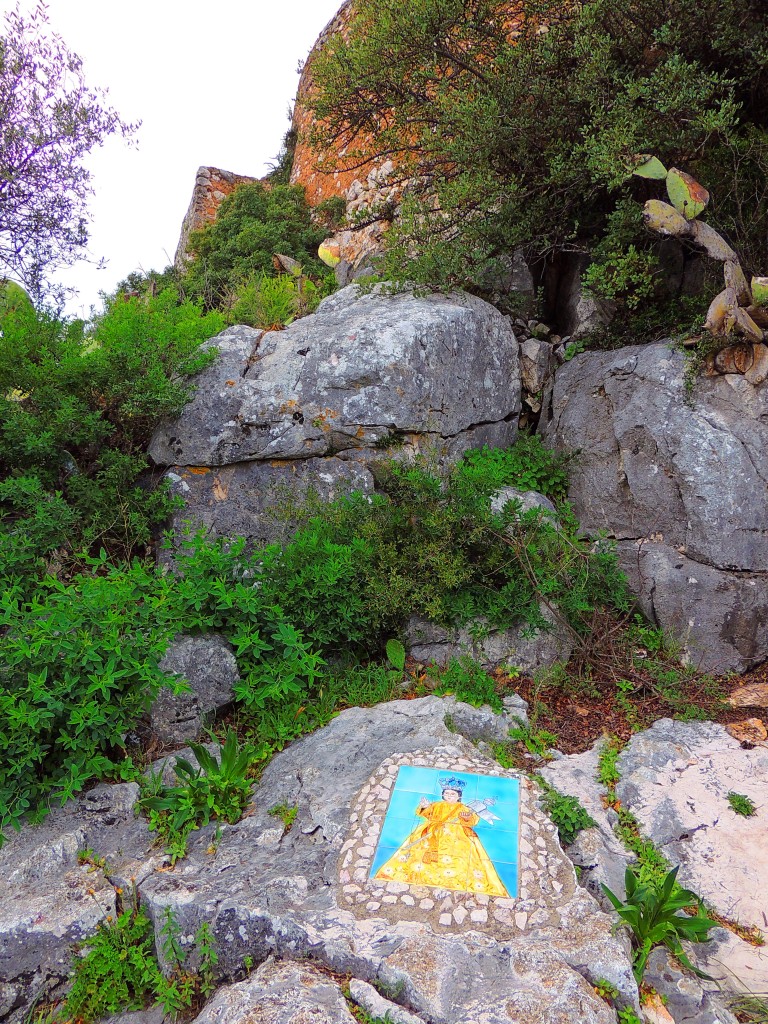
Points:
(546, 878)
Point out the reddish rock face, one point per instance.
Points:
(307, 165)
(212, 186)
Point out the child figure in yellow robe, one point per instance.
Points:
(445, 851)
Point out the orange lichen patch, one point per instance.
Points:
(360, 433)
(220, 490)
(198, 470)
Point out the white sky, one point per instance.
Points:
(211, 83)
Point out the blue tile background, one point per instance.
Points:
(500, 839)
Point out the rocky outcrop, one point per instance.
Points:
(208, 666)
(450, 957)
(367, 372)
(308, 170)
(212, 186)
(258, 500)
(675, 779)
(681, 484)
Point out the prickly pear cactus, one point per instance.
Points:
(737, 316)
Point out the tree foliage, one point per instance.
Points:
(49, 121)
(253, 224)
(518, 122)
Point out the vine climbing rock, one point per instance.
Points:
(680, 480)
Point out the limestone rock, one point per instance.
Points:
(688, 999)
(278, 900)
(375, 1005)
(537, 364)
(50, 900)
(430, 643)
(286, 899)
(208, 665)
(279, 993)
(751, 730)
(364, 367)
(685, 482)
(675, 779)
(597, 851)
(719, 617)
(754, 695)
(578, 311)
(257, 500)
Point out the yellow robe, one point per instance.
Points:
(446, 852)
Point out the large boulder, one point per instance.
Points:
(681, 483)
(258, 500)
(440, 370)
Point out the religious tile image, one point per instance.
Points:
(451, 830)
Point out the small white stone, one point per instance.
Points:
(351, 888)
(365, 851)
(390, 900)
(352, 818)
(360, 875)
(540, 843)
(459, 915)
(372, 906)
(396, 887)
(521, 920)
(525, 847)
(482, 900)
(557, 886)
(505, 903)
(427, 905)
(409, 901)
(446, 919)
(479, 916)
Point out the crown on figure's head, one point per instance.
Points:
(453, 783)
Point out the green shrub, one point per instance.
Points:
(76, 414)
(527, 139)
(467, 681)
(271, 303)
(78, 667)
(252, 225)
(118, 971)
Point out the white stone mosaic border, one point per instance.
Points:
(546, 878)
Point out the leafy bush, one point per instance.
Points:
(467, 681)
(81, 658)
(272, 303)
(651, 912)
(527, 137)
(252, 225)
(118, 971)
(78, 667)
(76, 414)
